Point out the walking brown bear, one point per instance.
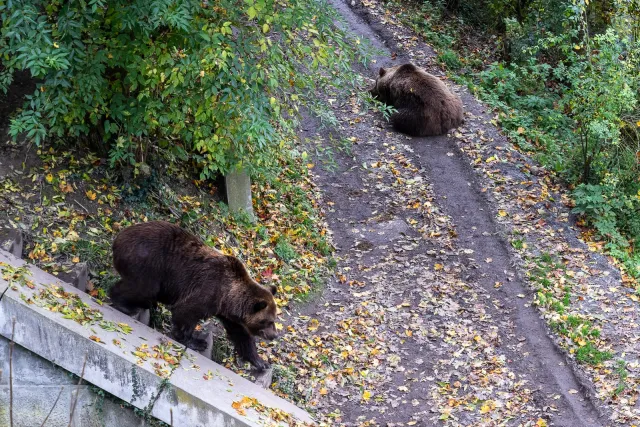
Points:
(160, 262)
(424, 104)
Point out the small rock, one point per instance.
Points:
(264, 378)
(144, 316)
(81, 273)
(12, 242)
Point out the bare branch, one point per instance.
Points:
(54, 405)
(11, 345)
(75, 398)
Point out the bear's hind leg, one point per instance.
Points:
(244, 344)
(408, 122)
(123, 298)
(184, 323)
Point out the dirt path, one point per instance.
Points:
(431, 321)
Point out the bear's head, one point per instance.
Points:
(253, 303)
(261, 319)
(380, 90)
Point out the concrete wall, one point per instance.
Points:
(36, 385)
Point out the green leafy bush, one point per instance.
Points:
(571, 100)
(218, 83)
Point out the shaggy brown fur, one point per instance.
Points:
(160, 262)
(425, 105)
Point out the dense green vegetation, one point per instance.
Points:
(564, 77)
(217, 84)
(170, 91)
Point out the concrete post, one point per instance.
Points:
(81, 280)
(238, 185)
(11, 241)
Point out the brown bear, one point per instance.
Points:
(424, 104)
(160, 262)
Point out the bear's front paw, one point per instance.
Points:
(260, 364)
(197, 344)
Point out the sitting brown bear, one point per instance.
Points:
(424, 104)
(160, 262)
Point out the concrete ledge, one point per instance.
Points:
(141, 367)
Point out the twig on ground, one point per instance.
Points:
(75, 398)
(79, 204)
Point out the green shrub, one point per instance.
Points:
(217, 82)
(570, 99)
(450, 59)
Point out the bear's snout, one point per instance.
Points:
(269, 333)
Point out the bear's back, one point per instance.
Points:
(408, 82)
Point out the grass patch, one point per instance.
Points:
(518, 244)
(284, 383)
(623, 373)
(284, 250)
(591, 355)
(554, 293)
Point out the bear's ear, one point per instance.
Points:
(235, 265)
(273, 289)
(260, 305)
(382, 72)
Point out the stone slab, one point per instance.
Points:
(29, 369)
(222, 389)
(207, 334)
(144, 317)
(264, 378)
(113, 366)
(81, 279)
(11, 240)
